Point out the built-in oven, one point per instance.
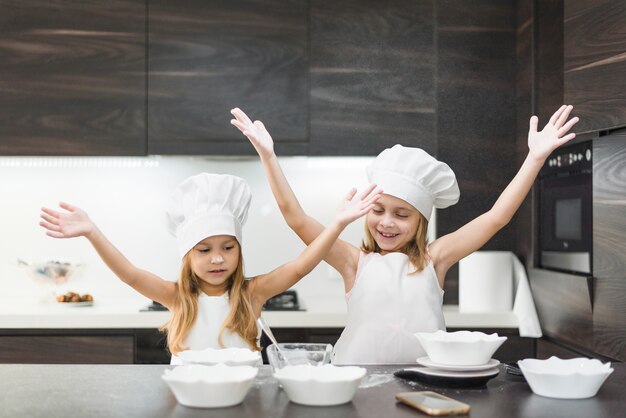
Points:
(565, 210)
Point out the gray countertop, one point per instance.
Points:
(137, 391)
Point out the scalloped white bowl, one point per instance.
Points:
(460, 348)
(576, 378)
(229, 356)
(320, 385)
(218, 386)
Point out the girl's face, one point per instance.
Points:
(213, 260)
(393, 223)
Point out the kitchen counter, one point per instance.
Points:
(137, 391)
(59, 316)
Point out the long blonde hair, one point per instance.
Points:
(414, 249)
(240, 320)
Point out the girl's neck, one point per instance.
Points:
(210, 290)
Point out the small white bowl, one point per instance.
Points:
(229, 356)
(576, 378)
(320, 385)
(216, 386)
(460, 348)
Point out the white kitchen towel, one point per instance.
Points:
(523, 305)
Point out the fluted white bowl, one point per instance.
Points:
(576, 378)
(460, 348)
(218, 386)
(230, 356)
(320, 385)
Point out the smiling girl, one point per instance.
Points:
(212, 304)
(394, 281)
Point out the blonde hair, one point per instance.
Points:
(240, 319)
(414, 249)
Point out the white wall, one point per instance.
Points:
(126, 197)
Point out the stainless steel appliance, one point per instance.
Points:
(565, 210)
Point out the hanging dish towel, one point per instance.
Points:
(523, 305)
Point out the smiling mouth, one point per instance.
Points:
(216, 271)
(388, 235)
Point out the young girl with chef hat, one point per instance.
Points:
(211, 304)
(394, 281)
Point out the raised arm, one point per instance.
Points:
(285, 276)
(342, 256)
(74, 222)
(449, 249)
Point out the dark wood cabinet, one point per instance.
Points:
(207, 57)
(72, 77)
(372, 77)
(595, 69)
(67, 348)
(609, 245)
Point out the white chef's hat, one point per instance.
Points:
(206, 205)
(414, 176)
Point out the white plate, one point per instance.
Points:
(458, 374)
(75, 304)
(426, 361)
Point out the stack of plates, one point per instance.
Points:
(451, 376)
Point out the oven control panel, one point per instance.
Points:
(577, 157)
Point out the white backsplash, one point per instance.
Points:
(127, 196)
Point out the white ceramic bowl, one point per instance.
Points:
(216, 386)
(230, 356)
(576, 378)
(320, 385)
(460, 348)
(295, 354)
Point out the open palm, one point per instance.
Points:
(353, 207)
(70, 224)
(553, 135)
(254, 131)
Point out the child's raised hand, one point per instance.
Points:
(353, 207)
(553, 135)
(73, 223)
(255, 132)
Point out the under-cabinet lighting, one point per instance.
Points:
(79, 162)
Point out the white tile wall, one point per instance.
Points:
(126, 197)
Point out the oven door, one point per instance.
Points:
(566, 222)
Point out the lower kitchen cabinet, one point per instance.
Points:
(149, 346)
(83, 346)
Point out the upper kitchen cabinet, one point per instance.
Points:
(372, 76)
(595, 62)
(72, 77)
(207, 57)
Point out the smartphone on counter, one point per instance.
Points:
(433, 403)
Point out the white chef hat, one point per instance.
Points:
(413, 175)
(206, 205)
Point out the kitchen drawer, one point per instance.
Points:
(67, 349)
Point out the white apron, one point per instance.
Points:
(386, 307)
(212, 312)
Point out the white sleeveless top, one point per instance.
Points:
(212, 312)
(386, 306)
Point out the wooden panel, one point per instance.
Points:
(547, 349)
(609, 206)
(372, 76)
(524, 95)
(476, 112)
(66, 349)
(548, 48)
(72, 77)
(595, 62)
(564, 306)
(609, 244)
(207, 57)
